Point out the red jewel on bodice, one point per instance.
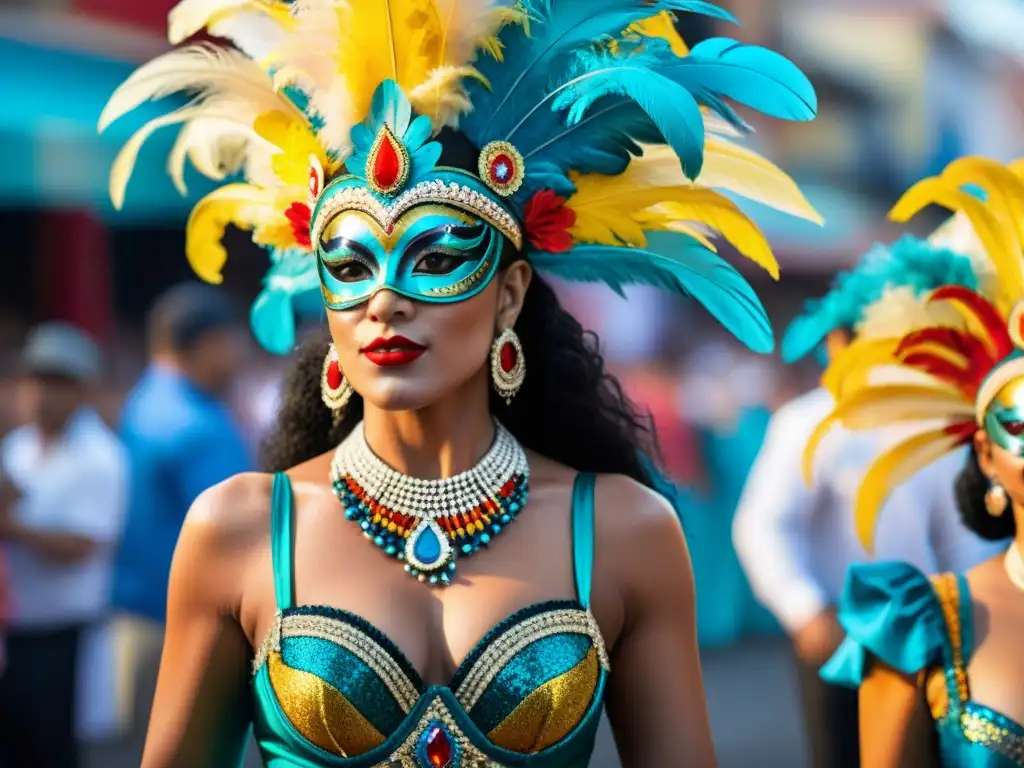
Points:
(334, 377)
(438, 748)
(509, 357)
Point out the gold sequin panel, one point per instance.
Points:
(535, 683)
(335, 684)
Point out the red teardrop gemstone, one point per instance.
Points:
(503, 169)
(438, 747)
(334, 376)
(387, 164)
(509, 357)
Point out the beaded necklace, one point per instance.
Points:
(429, 523)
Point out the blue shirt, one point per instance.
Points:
(180, 441)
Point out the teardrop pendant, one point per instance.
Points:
(427, 548)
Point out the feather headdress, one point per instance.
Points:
(959, 351)
(605, 143)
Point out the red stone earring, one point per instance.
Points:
(508, 366)
(334, 387)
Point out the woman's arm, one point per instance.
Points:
(656, 691)
(201, 710)
(896, 728)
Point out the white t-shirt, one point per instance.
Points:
(797, 543)
(76, 485)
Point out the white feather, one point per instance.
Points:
(307, 57)
(466, 22)
(191, 16)
(203, 70)
(219, 148)
(252, 32)
(900, 311)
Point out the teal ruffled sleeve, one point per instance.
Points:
(890, 611)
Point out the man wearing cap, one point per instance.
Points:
(62, 495)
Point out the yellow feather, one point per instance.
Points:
(851, 369)
(890, 470)
(662, 26)
(996, 232)
(243, 205)
(342, 49)
(1004, 189)
(878, 406)
(721, 214)
(296, 142)
(612, 210)
(736, 169)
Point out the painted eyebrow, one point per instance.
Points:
(350, 245)
(462, 232)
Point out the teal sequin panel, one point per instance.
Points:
(535, 665)
(346, 672)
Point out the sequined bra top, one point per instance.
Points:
(332, 690)
(912, 622)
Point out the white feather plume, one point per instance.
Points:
(219, 148)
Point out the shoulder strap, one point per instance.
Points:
(281, 533)
(955, 601)
(583, 534)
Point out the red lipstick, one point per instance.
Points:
(392, 351)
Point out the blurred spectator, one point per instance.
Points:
(61, 510)
(181, 439)
(796, 544)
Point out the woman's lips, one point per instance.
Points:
(396, 350)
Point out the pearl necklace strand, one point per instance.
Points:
(430, 499)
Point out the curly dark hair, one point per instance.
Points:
(971, 487)
(570, 409)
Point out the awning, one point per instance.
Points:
(50, 152)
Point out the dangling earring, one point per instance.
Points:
(995, 498)
(508, 366)
(334, 387)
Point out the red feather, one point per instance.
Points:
(964, 430)
(993, 322)
(913, 351)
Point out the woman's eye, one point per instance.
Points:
(349, 271)
(437, 264)
(1015, 428)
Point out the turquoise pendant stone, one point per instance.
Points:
(427, 546)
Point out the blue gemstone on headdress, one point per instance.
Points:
(427, 547)
(501, 171)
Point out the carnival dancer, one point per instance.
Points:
(937, 657)
(795, 541)
(454, 553)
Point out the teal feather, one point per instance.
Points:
(753, 76)
(558, 29)
(291, 291)
(672, 262)
(673, 109)
(909, 262)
